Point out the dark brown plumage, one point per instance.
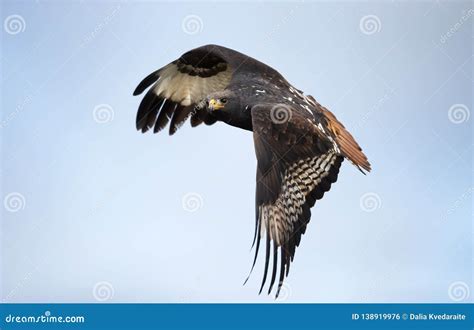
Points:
(299, 144)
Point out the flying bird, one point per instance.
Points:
(299, 144)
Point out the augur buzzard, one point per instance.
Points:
(299, 144)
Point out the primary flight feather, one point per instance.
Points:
(299, 144)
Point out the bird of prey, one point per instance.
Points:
(299, 144)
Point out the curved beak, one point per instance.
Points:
(215, 105)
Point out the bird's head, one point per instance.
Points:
(225, 100)
(227, 106)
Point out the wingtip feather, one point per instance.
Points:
(267, 258)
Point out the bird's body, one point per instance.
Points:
(299, 144)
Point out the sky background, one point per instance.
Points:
(94, 211)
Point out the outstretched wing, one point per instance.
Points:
(178, 88)
(296, 165)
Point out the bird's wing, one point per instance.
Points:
(178, 88)
(296, 165)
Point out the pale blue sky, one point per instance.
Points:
(100, 205)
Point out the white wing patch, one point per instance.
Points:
(186, 89)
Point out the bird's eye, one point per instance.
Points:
(224, 100)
